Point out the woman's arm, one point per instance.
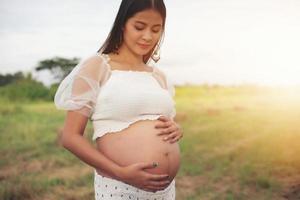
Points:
(73, 140)
(77, 94)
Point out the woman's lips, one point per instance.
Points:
(144, 46)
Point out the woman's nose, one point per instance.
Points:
(147, 36)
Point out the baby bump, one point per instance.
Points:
(140, 143)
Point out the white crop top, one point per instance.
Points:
(113, 99)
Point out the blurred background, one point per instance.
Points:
(235, 65)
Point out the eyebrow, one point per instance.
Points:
(145, 23)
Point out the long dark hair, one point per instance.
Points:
(129, 8)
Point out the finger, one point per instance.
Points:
(158, 177)
(170, 136)
(173, 129)
(155, 188)
(159, 183)
(163, 118)
(176, 139)
(163, 132)
(149, 165)
(163, 124)
(168, 130)
(150, 189)
(166, 133)
(146, 188)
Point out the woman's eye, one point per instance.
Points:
(138, 28)
(156, 31)
(141, 28)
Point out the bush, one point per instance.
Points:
(52, 91)
(25, 89)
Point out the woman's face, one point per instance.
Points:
(142, 31)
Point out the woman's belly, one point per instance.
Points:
(140, 143)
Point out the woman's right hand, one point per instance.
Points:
(136, 176)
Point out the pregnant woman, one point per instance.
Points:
(131, 107)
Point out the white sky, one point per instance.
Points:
(211, 41)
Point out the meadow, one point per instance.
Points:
(240, 143)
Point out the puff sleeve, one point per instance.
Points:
(78, 91)
(166, 81)
(168, 85)
(171, 90)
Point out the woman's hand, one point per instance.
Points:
(136, 176)
(170, 129)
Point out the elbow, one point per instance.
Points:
(59, 139)
(64, 140)
(68, 139)
(73, 128)
(64, 144)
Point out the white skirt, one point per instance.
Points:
(108, 188)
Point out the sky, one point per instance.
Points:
(228, 42)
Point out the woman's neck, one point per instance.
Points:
(127, 57)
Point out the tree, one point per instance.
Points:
(58, 66)
(10, 78)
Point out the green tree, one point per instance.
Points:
(58, 66)
(10, 78)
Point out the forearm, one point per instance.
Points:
(81, 148)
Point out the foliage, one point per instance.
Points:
(25, 88)
(58, 66)
(10, 78)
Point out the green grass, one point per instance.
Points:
(239, 143)
(243, 141)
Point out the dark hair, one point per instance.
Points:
(127, 9)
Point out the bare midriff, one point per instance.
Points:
(140, 143)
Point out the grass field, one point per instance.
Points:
(239, 143)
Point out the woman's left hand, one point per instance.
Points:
(170, 129)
